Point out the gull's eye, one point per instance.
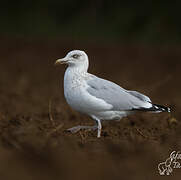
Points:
(75, 56)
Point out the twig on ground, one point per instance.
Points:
(83, 136)
(50, 113)
(141, 133)
(56, 129)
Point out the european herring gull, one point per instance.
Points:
(99, 98)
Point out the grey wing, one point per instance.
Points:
(140, 96)
(113, 94)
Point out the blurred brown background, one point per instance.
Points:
(135, 44)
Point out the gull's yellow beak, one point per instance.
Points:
(60, 61)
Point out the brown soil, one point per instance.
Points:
(31, 93)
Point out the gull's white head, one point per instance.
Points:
(75, 58)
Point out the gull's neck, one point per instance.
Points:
(78, 68)
(74, 75)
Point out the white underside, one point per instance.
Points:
(111, 115)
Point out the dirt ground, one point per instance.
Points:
(31, 95)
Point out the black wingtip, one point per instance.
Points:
(161, 108)
(154, 108)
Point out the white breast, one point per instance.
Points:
(77, 96)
